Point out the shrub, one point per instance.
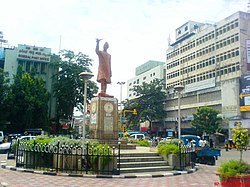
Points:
(66, 140)
(240, 138)
(144, 143)
(167, 148)
(233, 168)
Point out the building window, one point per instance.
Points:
(28, 66)
(237, 53)
(43, 66)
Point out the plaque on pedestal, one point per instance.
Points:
(104, 118)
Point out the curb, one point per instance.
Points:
(122, 176)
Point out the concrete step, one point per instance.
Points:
(142, 164)
(139, 154)
(140, 159)
(145, 169)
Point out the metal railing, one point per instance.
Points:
(187, 156)
(64, 158)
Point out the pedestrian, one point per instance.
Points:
(211, 144)
(226, 144)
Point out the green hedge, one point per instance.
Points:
(167, 148)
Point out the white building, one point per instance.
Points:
(209, 61)
(28, 57)
(146, 72)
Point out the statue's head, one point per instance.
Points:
(105, 46)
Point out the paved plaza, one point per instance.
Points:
(205, 176)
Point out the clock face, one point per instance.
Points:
(93, 107)
(108, 107)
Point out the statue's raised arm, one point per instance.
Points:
(97, 45)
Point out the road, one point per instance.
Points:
(205, 176)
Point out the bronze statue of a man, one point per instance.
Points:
(104, 69)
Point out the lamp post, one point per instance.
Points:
(85, 76)
(179, 88)
(120, 83)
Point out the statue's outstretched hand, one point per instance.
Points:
(98, 40)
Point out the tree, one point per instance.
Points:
(206, 120)
(149, 102)
(4, 89)
(27, 103)
(240, 139)
(68, 87)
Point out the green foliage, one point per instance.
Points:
(240, 139)
(167, 148)
(4, 90)
(148, 104)
(27, 103)
(144, 143)
(100, 152)
(68, 87)
(205, 119)
(65, 140)
(233, 168)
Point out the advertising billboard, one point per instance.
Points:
(245, 93)
(248, 51)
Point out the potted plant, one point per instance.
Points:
(236, 172)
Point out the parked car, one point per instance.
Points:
(27, 138)
(1, 137)
(137, 136)
(5, 147)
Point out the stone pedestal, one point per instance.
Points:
(104, 119)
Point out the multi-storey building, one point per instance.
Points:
(209, 60)
(31, 57)
(146, 72)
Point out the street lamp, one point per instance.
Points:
(179, 88)
(120, 83)
(85, 76)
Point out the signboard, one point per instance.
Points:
(3, 41)
(34, 53)
(245, 93)
(209, 83)
(248, 51)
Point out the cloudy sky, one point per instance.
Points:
(137, 30)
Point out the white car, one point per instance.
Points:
(137, 136)
(5, 147)
(27, 138)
